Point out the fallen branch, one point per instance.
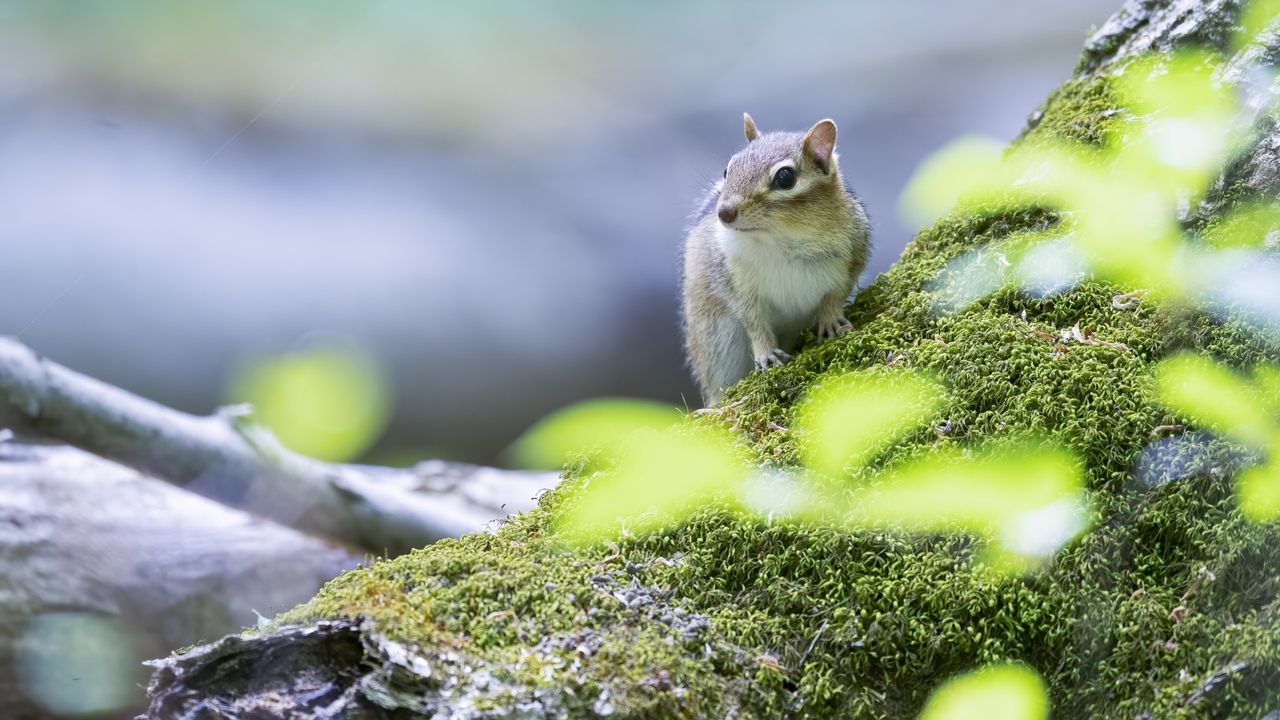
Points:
(228, 458)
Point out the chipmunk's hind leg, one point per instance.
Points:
(729, 358)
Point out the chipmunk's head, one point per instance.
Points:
(780, 180)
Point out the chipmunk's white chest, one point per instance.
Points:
(788, 286)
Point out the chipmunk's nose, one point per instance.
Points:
(728, 215)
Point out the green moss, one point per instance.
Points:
(1082, 110)
(1168, 607)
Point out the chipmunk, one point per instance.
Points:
(777, 247)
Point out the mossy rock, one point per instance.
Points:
(1167, 608)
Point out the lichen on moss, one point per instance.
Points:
(1166, 609)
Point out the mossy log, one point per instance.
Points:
(1167, 608)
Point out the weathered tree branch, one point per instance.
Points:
(228, 458)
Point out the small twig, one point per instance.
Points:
(718, 410)
(1127, 301)
(614, 553)
(1074, 334)
(1203, 575)
(812, 643)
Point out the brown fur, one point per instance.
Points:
(789, 259)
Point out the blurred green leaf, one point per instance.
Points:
(1225, 402)
(1186, 122)
(660, 476)
(1118, 202)
(1215, 397)
(847, 419)
(1028, 499)
(1258, 492)
(961, 167)
(1246, 227)
(329, 402)
(997, 692)
(1254, 20)
(1180, 84)
(602, 423)
(1267, 380)
(944, 491)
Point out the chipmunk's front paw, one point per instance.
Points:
(774, 358)
(834, 328)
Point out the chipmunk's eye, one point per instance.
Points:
(784, 179)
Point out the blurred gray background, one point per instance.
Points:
(490, 197)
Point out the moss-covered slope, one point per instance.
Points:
(1168, 608)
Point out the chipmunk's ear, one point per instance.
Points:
(820, 144)
(749, 127)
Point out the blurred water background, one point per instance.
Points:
(488, 199)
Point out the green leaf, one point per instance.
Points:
(845, 420)
(1258, 492)
(1215, 397)
(1029, 499)
(602, 423)
(330, 401)
(998, 692)
(659, 477)
(1257, 16)
(1247, 227)
(937, 185)
(1267, 380)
